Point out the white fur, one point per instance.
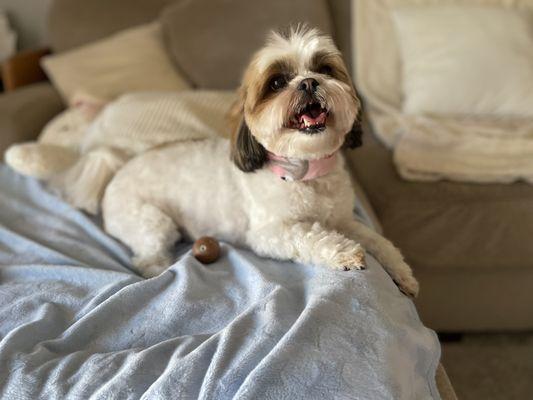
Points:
(270, 132)
(83, 184)
(300, 46)
(192, 188)
(302, 43)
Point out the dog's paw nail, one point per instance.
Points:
(354, 260)
(360, 261)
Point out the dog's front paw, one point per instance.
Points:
(351, 259)
(408, 285)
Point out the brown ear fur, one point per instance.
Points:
(246, 152)
(354, 138)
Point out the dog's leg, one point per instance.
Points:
(157, 233)
(149, 232)
(307, 243)
(385, 252)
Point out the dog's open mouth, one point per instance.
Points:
(310, 119)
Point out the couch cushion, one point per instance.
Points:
(495, 77)
(211, 41)
(131, 60)
(341, 15)
(462, 300)
(24, 112)
(447, 224)
(76, 22)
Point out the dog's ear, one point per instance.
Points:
(354, 138)
(246, 152)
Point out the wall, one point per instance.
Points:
(28, 18)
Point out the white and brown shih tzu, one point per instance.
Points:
(279, 187)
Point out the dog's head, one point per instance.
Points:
(296, 100)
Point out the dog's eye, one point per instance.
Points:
(325, 70)
(277, 82)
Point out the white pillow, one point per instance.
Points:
(131, 60)
(466, 60)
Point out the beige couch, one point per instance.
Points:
(24, 112)
(467, 243)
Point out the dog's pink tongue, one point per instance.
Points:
(319, 119)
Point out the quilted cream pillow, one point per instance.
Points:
(466, 60)
(129, 61)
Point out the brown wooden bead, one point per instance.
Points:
(206, 250)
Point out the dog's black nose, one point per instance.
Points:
(309, 85)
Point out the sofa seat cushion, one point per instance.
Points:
(447, 224)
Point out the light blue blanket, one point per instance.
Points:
(77, 323)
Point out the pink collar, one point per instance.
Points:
(292, 169)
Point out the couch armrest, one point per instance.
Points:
(24, 112)
(23, 69)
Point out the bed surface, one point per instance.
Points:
(76, 321)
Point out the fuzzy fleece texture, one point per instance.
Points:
(77, 322)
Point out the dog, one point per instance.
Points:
(278, 187)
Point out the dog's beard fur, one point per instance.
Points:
(268, 115)
(269, 126)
